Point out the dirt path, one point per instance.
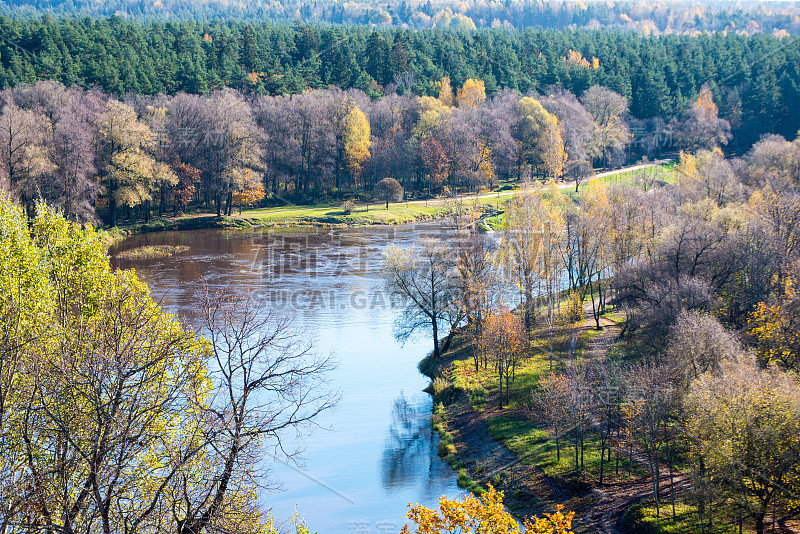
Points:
(613, 500)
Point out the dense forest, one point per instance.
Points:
(88, 153)
(755, 80)
(651, 17)
(310, 114)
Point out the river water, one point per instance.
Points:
(375, 453)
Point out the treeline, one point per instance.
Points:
(701, 276)
(88, 153)
(755, 80)
(654, 17)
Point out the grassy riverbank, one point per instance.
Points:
(510, 446)
(295, 216)
(362, 215)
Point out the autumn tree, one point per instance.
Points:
(593, 244)
(234, 148)
(434, 161)
(444, 91)
(125, 167)
(774, 326)
(482, 514)
(534, 131)
(186, 188)
(479, 283)
(532, 235)
(251, 193)
(472, 94)
(504, 341)
(116, 416)
(24, 156)
(576, 124)
(389, 189)
(743, 424)
(702, 128)
(356, 142)
(610, 133)
(555, 153)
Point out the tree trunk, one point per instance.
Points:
(447, 341)
(595, 312)
(760, 523)
(654, 477)
(602, 457)
(112, 204)
(558, 447)
(229, 204)
(436, 353)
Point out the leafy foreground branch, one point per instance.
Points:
(482, 514)
(114, 417)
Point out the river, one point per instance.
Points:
(376, 452)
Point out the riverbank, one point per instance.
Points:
(512, 448)
(299, 216)
(333, 215)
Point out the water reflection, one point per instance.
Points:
(380, 452)
(409, 454)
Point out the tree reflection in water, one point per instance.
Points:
(409, 454)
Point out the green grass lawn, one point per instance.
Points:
(360, 215)
(665, 172)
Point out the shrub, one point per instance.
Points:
(439, 385)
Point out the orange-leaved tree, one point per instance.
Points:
(249, 195)
(504, 340)
(484, 514)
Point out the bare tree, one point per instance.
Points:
(649, 406)
(267, 383)
(424, 281)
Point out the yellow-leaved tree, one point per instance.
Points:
(126, 169)
(472, 94)
(484, 514)
(356, 141)
(444, 91)
(775, 325)
(249, 194)
(555, 151)
(110, 412)
(539, 138)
